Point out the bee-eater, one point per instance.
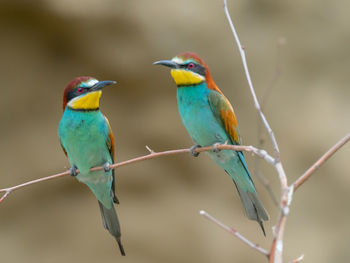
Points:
(87, 140)
(209, 119)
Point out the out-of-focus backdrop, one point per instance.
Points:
(298, 54)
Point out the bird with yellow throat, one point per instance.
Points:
(209, 119)
(87, 140)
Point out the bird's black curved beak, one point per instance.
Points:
(101, 84)
(167, 63)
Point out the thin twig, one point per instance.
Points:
(261, 153)
(299, 259)
(256, 102)
(320, 161)
(7, 191)
(277, 73)
(266, 183)
(276, 251)
(235, 233)
(149, 149)
(279, 228)
(260, 134)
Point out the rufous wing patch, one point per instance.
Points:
(224, 113)
(229, 119)
(110, 140)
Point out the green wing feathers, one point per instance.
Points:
(111, 149)
(239, 172)
(111, 223)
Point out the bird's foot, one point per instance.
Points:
(107, 167)
(215, 147)
(73, 171)
(193, 150)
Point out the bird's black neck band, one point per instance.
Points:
(84, 110)
(191, 85)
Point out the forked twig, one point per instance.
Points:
(276, 252)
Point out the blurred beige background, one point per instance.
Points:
(44, 44)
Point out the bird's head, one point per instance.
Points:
(188, 69)
(83, 93)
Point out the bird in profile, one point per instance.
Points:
(209, 119)
(87, 140)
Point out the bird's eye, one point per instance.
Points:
(190, 65)
(80, 90)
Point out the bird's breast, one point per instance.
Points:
(198, 117)
(83, 135)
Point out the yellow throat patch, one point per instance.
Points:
(88, 101)
(184, 77)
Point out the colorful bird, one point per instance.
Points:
(87, 140)
(209, 119)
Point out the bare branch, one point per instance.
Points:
(235, 233)
(7, 191)
(276, 251)
(261, 153)
(256, 102)
(281, 41)
(277, 245)
(260, 133)
(320, 161)
(299, 259)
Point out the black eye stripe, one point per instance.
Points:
(197, 68)
(75, 93)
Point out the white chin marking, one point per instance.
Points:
(91, 82)
(177, 60)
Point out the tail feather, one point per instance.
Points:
(253, 207)
(111, 223)
(260, 221)
(114, 196)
